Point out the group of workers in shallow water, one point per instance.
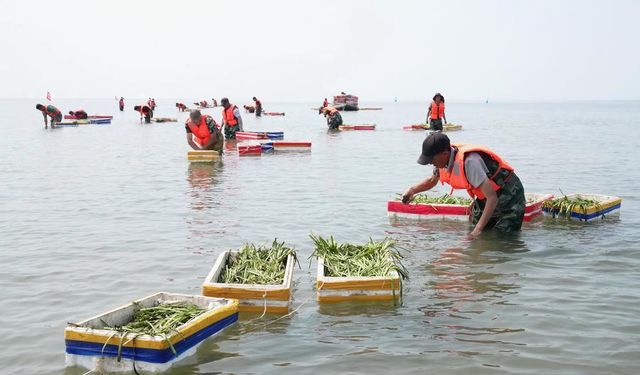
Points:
(498, 195)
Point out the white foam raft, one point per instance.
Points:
(253, 297)
(423, 211)
(90, 346)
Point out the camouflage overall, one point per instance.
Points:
(509, 211)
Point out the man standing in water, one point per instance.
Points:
(334, 119)
(231, 119)
(258, 107)
(435, 115)
(145, 111)
(121, 104)
(497, 191)
(51, 111)
(203, 132)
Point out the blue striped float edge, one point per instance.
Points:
(275, 135)
(584, 217)
(149, 355)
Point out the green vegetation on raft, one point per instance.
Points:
(258, 264)
(445, 199)
(564, 206)
(348, 260)
(159, 320)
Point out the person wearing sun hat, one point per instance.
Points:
(498, 194)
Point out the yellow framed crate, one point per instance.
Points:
(89, 344)
(607, 206)
(275, 298)
(203, 156)
(359, 288)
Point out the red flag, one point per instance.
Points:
(48, 96)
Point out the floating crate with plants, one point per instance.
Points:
(534, 204)
(260, 277)
(148, 334)
(424, 207)
(582, 207)
(203, 156)
(347, 272)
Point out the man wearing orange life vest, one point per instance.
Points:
(435, 115)
(203, 132)
(499, 196)
(334, 119)
(51, 111)
(231, 119)
(145, 111)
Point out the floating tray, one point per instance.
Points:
(203, 156)
(164, 119)
(533, 208)
(249, 150)
(358, 127)
(341, 289)
(85, 341)
(607, 205)
(253, 297)
(424, 211)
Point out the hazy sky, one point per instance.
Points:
(306, 50)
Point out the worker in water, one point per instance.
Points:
(51, 111)
(203, 133)
(498, 194)
(79, 114)
(181, 107)
(334, 119)
(121, 104)
(231, 119)
(258, 107)
(145, 112)
(435, 115)
(325, 103)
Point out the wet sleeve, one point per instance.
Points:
(475, 169)
(187, 128)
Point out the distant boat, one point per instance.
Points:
(346, 102)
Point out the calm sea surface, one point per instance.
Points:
(96, 216)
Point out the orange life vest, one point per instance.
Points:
(228, 116)
(331, 111)
(456, 176)
(200, 131)
(437, 110)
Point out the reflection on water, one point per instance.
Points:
(465, 284)
(205, 201)
(202, 178)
